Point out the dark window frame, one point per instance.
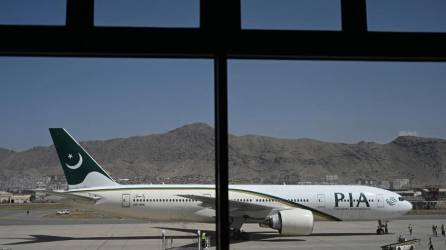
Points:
(220, 38)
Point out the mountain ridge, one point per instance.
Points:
(186, 154)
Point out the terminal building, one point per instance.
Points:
(9, 198)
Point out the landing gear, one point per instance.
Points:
(237, 234)
(382, 227)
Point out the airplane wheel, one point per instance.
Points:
(236, 234)
(379, 231)
(244, 236)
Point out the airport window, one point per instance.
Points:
(318, 45)
(33, 12)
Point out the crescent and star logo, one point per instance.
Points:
(391, 201)
(77, 165)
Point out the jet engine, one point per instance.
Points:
(291, 222)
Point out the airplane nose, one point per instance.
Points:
(408, 206)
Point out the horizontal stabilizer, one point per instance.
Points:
(92, 199)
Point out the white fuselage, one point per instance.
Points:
(167, 202)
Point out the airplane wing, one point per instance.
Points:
(239, 208)
(92, 199)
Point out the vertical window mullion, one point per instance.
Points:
(221, 150)
(354, 15)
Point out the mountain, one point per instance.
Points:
(186, 154)
(4, 153)
(422, 160)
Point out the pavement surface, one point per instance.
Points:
(38, 230)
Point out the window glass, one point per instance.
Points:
(147, 13)
(33, 12)
(406, 15)
(145, 121)
(291, 14)
(296, 123)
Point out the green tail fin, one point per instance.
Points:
(81, 170)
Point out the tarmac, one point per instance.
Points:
(38, 230)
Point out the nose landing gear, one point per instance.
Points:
(382, 227)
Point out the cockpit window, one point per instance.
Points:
(400, 198)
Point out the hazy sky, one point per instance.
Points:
(332, 101)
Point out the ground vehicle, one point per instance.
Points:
(402, 245)
(63, 211)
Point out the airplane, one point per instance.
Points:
(289, 209)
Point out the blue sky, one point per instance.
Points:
(331, 101)
(338, 101)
